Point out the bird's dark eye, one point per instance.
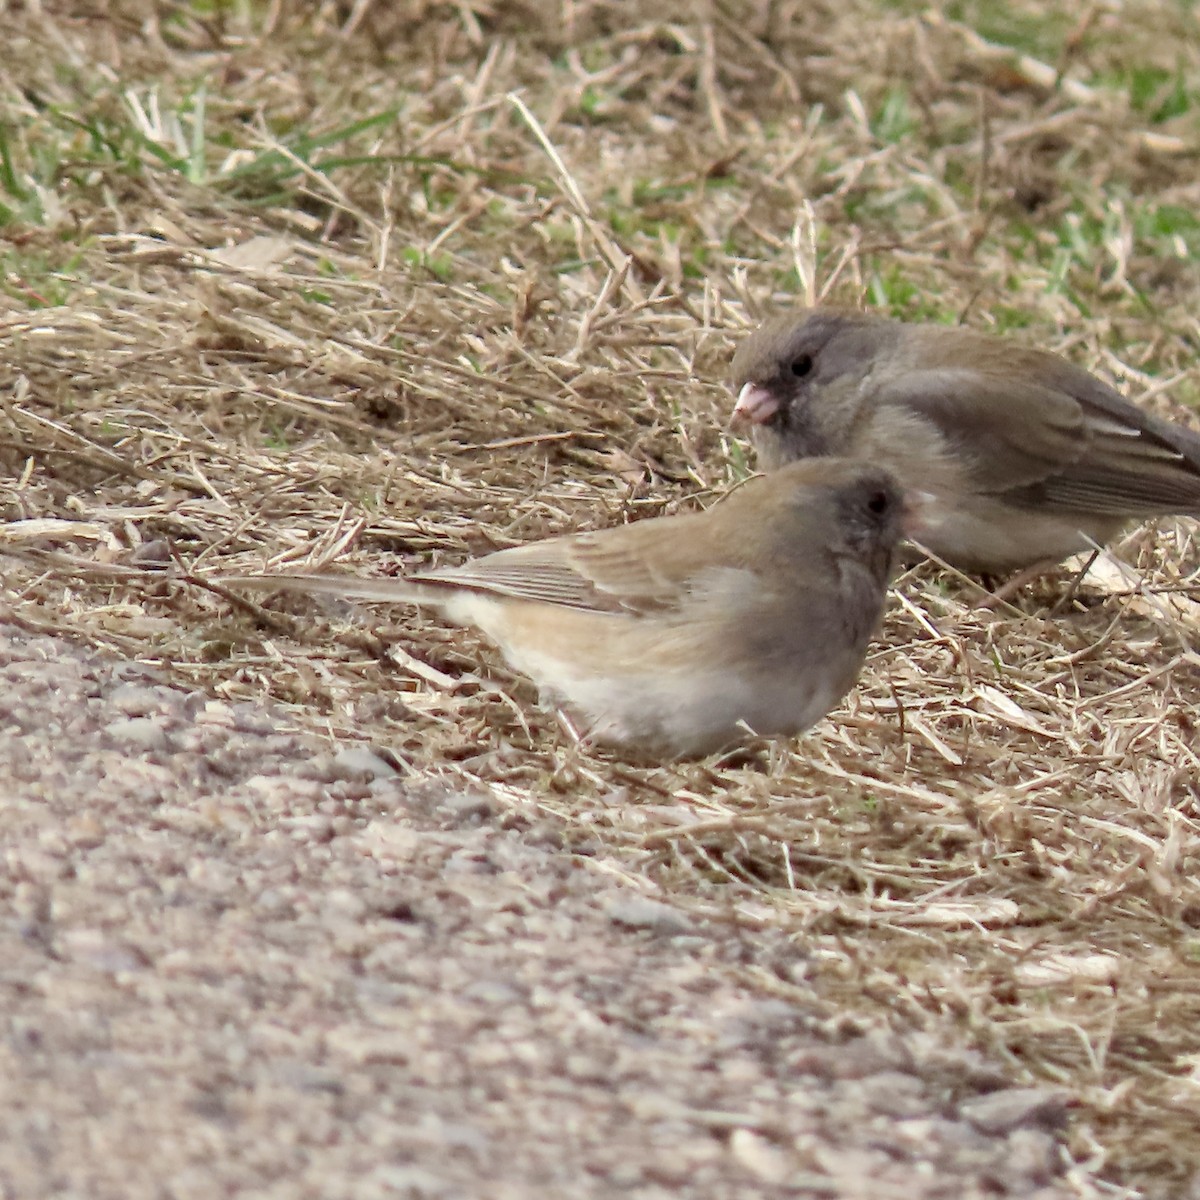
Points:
(801, 365)
(879, 503)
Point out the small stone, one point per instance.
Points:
(315, 827)
(759, 1156)
(410, 1181)
(495, 993)
(138, 700)
(898, 1094)
(346, 904)
(154, 553)
(1015, 1108)
(1032, 1157)
(141, 733)
(216, 712)
(357, 762)
(85, 831)
(94, 949)
(640, 912)
(466, 805)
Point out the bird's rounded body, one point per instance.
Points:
(1026, 457)
(680, 635)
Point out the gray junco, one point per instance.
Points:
(677, 636)
(1026, 456)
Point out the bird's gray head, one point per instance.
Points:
(785, 373)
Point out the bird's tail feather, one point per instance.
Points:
(342, 587)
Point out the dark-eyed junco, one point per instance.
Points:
(1026, 456)
(677, 636)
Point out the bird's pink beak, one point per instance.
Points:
(755, 404)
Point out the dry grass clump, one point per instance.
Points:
(391, 283)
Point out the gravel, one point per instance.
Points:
(235, 962)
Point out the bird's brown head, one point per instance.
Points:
(796, 377)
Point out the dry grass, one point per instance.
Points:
(241, 330)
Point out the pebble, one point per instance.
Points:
(139, 733)
(640, 912)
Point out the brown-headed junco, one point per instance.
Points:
(1026, 456)
(677, 636)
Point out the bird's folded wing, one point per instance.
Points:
(1136, 462)
(1085, 449)
(1015, 433)
(616, 571)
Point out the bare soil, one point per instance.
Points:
(238, 964)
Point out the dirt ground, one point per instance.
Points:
(307, 897)
(237, 964)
